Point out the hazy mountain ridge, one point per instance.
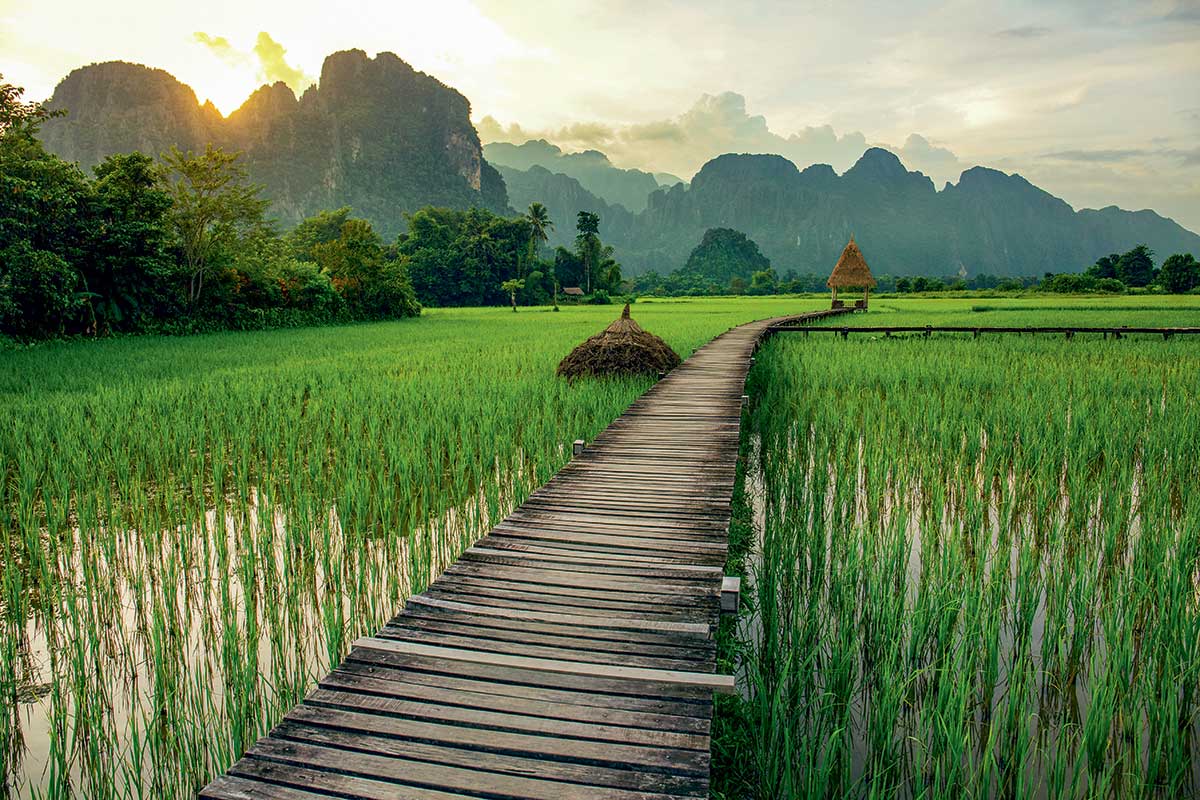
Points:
(373, 134)
(564, 197)
(987, 223)
(593, 170)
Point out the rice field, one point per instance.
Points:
(976, 570)
(194, 529)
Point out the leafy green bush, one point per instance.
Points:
(38, 292)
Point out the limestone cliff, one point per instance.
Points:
(373, 134)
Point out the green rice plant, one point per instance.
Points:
(977, 572)
(193, 530)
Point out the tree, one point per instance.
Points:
(39, 292)
(18, 117)
(1180, 273)
(540, 226)
(1105, 266)
(609, 269)
(903, 285)
(763, 281)
(325, 227)
(1136, 268)
(129, 275)
(44, 205)
(214, 209)
(512, 286)
(459, 258)
(372, 284)
(587, 243)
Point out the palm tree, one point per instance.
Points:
(540, 225)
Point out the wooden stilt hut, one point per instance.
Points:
(851, 272)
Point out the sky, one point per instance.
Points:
(1096, 101)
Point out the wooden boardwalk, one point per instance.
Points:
(567, 654)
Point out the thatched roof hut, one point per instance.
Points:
(851, 272)
(623, 348)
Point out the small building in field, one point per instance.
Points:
(851, 272)
(573, 292)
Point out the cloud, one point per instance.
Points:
(939, 163)
(1097, 156)
(720, 123)
(266, 58)
(714, 124)
(273, 67)
(1023, 32)
(222, 49)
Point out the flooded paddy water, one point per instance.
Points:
(156, 643)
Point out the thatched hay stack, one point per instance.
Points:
(623, 348)
(851, 271)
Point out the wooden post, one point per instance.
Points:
(577, 447)
(834, 304)
(731, 589)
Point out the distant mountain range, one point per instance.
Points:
(379, 136)
(987, 223)
(593, 170)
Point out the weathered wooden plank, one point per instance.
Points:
(586, 563)
(601, 597)
(398, 776)
(556, 575)
(600, 639)
(610, 621)
(674, 699)
(613, 754)
(543, 703)
(535, 647)
(715, 682)
(683, 731)
(570, 772)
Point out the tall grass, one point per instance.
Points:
(193, 530)
(979, 570)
